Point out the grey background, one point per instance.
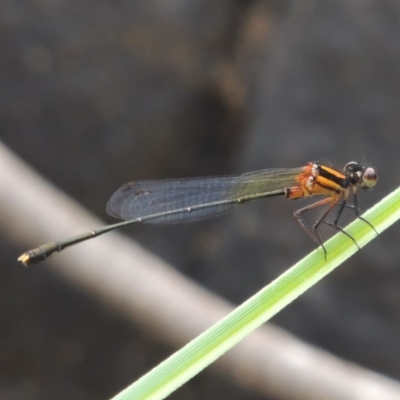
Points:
(95, 94)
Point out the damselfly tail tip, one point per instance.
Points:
(25, 259)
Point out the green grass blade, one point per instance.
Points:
(206, 348)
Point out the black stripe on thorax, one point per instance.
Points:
(343, 181)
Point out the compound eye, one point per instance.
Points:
(369, 178)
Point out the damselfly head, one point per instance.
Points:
(366, 177)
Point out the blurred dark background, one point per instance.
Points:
(96, 94)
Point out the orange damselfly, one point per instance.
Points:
(193, 199)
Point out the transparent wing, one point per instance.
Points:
(185, 200)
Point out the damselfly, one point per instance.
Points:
(193, 199)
